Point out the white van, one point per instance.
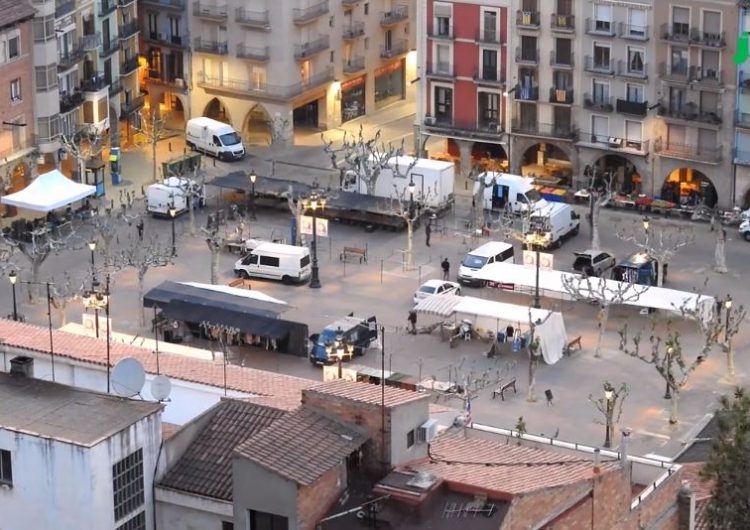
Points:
(490, 252)
(503, 190)
(551, 225)
(275, 261)
(214, 138)
(174, 191)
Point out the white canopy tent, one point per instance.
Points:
(552, 284)
(49, 191)
(496, 316)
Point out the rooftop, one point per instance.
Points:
(65, 413)
(302, 445)
(286, 390)
(365, 393)
(13, 11)
(205, 468)
(501, 470)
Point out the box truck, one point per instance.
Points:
(214, 138)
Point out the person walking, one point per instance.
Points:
(427, 232)
(139, 227)
(412, 319)
(446, 266)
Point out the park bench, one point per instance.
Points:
(575, 343)
(503, 387)
(354, 253)
(241, 283)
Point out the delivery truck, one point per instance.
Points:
(179, 192)
(505, 191)
(550, 225)
(214, 138)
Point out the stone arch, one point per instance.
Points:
(745, 204)
(627, 176)
(217, 110)
(488, 149)
(539, 159)
(256, 128)
(686, 184)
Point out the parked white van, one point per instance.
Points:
(179, 192)
(275, 261)
(503, 190)
(214, 138)
(490, 252)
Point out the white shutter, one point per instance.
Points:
(603, 13)
(600, 128)
(680, 15)
(711, 22)
(442, 10)
(637, 18)
(633, 131)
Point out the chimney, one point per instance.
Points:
(686, 508)
(624, 448)
(597, 459)
(22, 366)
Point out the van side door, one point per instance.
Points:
(268, 267)
(250, 262)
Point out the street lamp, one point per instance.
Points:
(728, 310)
(173, 214)
(609, 393)
(313, 203)
(668, 391)
(92, 248)
(253, 177)
(646, 224)
(13, 278)
(96, 300)
(412, 188)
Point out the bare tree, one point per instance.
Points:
(365, 159)
(278, 127)
(603, 293)
(534, 352)
(600, 193)
(608, 407)
(733, 318)
(142, 255)
(215, 241)
(297, 209)
(407, 206)
(64, 292)
(720, 252)
(108, 221)
(193, 189)
(83, 146)
(660, 242)
(153, 127)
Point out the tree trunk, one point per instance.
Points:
(142, 311)
(720, 255)
(153, 158)
(215, 249)
(63, 314)
(595, 209)
(731, 373)
(34, 288)
(533, 363)
(191, 214)
(601, 317)
(660, 276)
(673, 409)
(409, 244)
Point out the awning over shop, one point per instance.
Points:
(49, 191)
(440, 306)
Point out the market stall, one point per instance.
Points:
(49, 191)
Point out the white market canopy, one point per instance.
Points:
(551, 331)
(47, 192)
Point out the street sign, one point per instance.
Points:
(321, 226)
(546, 261)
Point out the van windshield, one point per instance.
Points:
(533, 195)
(474, 262)
(327, 337)
(231, 138)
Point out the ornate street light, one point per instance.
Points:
(314, 203)
(172, 215)
(253, 177)
(13, 278)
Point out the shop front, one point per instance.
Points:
(353, 98)
(389, 83)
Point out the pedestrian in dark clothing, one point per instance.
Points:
(412, 319)
(427, 232)
(445, 264)
(139, 227)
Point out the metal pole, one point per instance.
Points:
(106, 293)
(156, 339)
(252, 202)
(315, 279)
(668, 391)
(608, 436)
(96, 320)
(341, 375)
(15, 311)
(174, 247)
(93, 269)
(728, 309)
(382, 399)
(49, 321)
(537, 305)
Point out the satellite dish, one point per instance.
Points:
(161, 386)
(128, 377)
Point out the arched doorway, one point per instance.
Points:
(489, 157)
(216, 110)
(690, 187)
(549, 163)
(623, 173)
(173, 110)
(257, 126)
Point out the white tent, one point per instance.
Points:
(49, 191)
(489, 314)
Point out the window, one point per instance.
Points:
(367, 9)
(410, 439)
(489, 26)
(267, 521)
(443, 55)
(443, 104)
(331, 21)
(333, 56)
(269, 261)
(388, 40)
(601, 57)
(304, 261)
(134, 523)
(634, 93)
(14, 47)
(680, 22)
(226, 525)
(44, 28)
(153, 21)
(15, 89)
(489, 104)
(6, 470)
(127, 484)
(599, 129)
(712, 26)
(603, 18)
(443, 26)
(636, 63)
(601, 92)
(489, 65)
(174, 26)
(679, 58)
(633, 134)
(637, 23)
(46, 78)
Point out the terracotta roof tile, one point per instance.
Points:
(366, 393)
(302, 445)
(205, 468)
(517, 469)
(286, 390)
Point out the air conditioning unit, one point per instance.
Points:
(615, 142)
(429, 120)
(427, 431)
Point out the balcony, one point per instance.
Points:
(689, 113)
(527, 55)
(134, 105)
(742, 157)
(527, 93)
(108, 48)
(209, 11)
(561, 95)
(480, 128)
(612, 143)
(598, 103)
(560, 60)
(263, 90)
(69, 102)
(742, 119)
(252, 19)
(106, 7)
(261, 54)
(353, 30)
(633, 108)
(210, 46)
(710, 40)
(91, 42)
(625, 69)
(489, 76)
(70, 59)
(743, 84)
(396, 48)
(675, 73)
(528, 19)
(394, 16)
(675, 32)
(562, 23)
(308, 14)
(64, 8)
(167, 4)
(599, 66)
(600, 28)
(710, 155)
(631, 32)
(94, 83)
(489, 37)
(128, 29)
(310, 48)
(125, 3)
(167, 80)
(114, 88)
(706, 76)
(563, 131)
(440, 70)
(128, 66)
(444, 32)
(354, 64)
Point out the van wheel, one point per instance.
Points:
(190, 145)
(576, 230)
(244, 275)
(286, 280)
(746, 235)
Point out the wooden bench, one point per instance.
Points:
(354, 252)
(575, 343)
(241, 283)
(503, 387)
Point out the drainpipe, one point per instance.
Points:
(153, 482)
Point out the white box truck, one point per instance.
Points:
(503, 190)
(433, 181)
(214, 138)
(551, 225)
(173, 191)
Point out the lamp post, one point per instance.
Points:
(727, 311)
(313, 203)
(253, 177)
(96, 300)
(412, 188)
(646, 224)
(609, 393)
(172, 215)
(92, 248)
(668, 391)
(13, 278)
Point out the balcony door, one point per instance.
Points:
(489, 109)
(489, 65)
(443, 104)
(489, 25)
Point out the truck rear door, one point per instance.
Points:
(372, 328)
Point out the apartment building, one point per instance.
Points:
(16, 96)
(741, 153)
(307, 65)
